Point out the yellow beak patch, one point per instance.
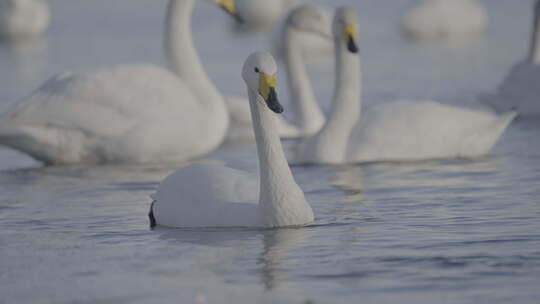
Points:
(228, 5)
(266, 82)
(350, 31)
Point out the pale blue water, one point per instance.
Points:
(458, 231)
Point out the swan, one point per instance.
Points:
(398, 131)
(127, 114)
(304, 21)
(519, 90)
(23, 19)
(445, 20)
(214, 195)
(262, 15)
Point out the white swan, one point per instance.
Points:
(519, 90)
(131, 114)
(23, 19)
(303, 22)
(445, 20)
(398, 131)
(262, 15)
(210, 195)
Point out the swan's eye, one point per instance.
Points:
(257, 70)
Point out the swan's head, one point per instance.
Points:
(345, 28)
(230, 7)
(259, 73)
(312, 19)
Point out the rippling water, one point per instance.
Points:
(457, 231)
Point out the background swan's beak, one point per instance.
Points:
(350, 34)
(230, 7)
(267, 89)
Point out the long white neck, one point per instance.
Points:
(534, 55)
(281, 201)
(183, 58)
(334, 138)
(308, 113)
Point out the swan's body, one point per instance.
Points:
(445, 20)
(262, 15)
(210, 195)
(519, 91)
(398, 131)
(306, 20)
(132, 114)
(23, 19)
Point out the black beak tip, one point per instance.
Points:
(236, 16)
(351, 46)
(273, 102)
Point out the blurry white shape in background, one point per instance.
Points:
(22, 19)
(262, 15)
(520, 90)
(445, 20)
(127, 114)
(306, 26)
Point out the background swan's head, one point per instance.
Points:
(312, 19)
(230, 7)
(345, 28)
(259, 73)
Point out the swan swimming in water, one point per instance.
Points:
(398, 131)
(23, 19)
(212, 195)
(127, 114)
(520, 91)
(305, 20)
(445, 20)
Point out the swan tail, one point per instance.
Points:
(40, 142)
(481, 143)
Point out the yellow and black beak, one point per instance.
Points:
(230, 7)
(267, 89)
(350, 34)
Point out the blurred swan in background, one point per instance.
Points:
(129, 114)
(395, 131)
(304, 21)
(213, 195)
(23, 19)
(262, 15)
(520, 91)
(445, 20)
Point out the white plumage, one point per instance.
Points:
(445, 20)
(131, 114)
(23, 19)
(397, 131)
(307, 32)
(214, 195)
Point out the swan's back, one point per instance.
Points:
(424, 130)
(124, 114)
(443, 19)
(207, 195)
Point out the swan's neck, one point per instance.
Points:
(280, 198)
(308, 113)
(183, 58)
(534, 55)
(334, 137)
